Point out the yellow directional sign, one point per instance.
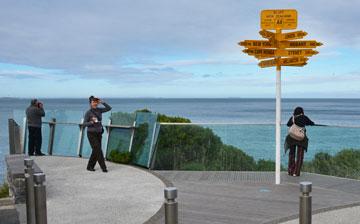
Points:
(295, 52)
(300, 44)
(293, 60)
(267, 63)
(264, 52)
(285, 19)
(267, 34)
(290, 36)
(257, 44)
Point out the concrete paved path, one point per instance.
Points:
(74, 195)
(345, 215)
(234, 197)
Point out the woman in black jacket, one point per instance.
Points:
(92, 121)
(292, 144)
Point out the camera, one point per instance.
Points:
(39, 104)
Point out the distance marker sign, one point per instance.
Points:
(279, 19)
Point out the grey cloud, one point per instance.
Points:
(70, 35)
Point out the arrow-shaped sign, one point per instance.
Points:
(290, 36)
(267, 63)
(283, 36)
(300, 44)
(257, 44)
(293, 61)
(294, 52)
(254, 51)
(263, 53)
(267, 34)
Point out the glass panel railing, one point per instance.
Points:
(66, 139)
(215, 147)
(332, 150)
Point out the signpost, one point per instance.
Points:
(281, 49)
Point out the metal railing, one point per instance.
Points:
(214, 146)
(53, 125)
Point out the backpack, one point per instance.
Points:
(296, 132)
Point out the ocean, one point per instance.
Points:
(231, 111)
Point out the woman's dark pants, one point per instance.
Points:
(294, 167)
(96, 154)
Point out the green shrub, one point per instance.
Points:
(4, 191)
(120, 157)
(162, 118)
(145, 110)
(345, 163)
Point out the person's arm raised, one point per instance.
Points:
(106, 108)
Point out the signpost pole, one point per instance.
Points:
(278, 119)
(278, 124)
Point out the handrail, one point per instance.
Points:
(259, 124)
(73, 123)
(201, 123)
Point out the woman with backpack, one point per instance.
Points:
(296, 141)
(92, 121)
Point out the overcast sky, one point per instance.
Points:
(168, 48)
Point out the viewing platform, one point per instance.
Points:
(128, 194)
(125, 194)
(252, 197)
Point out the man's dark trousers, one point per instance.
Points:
(96, 154)
(35, 140)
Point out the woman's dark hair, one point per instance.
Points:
(91, 98)
(33, 102)
(298, 111)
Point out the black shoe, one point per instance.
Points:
(105, 170)
(90, 169)
(40, 154)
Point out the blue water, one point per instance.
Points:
(257, 140)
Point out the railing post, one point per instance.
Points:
(24, 135)
(52, 125)
(40, 199)
(29, 183)
(81, 138)
(305, 203)
(108, 129)
(171, 206)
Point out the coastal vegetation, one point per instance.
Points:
(345, 163)
(4, 190)
(192, 147)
